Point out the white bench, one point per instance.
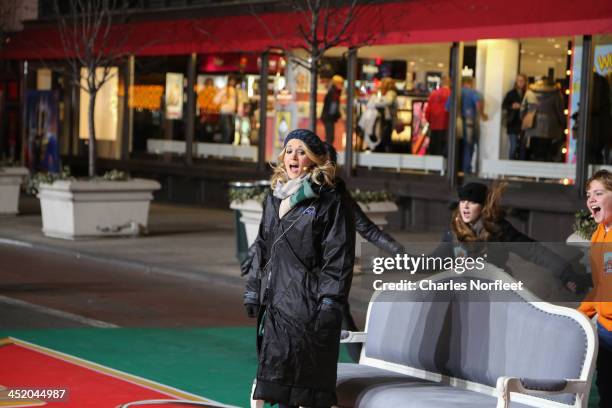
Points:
(448, 350)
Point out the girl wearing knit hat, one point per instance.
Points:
(479, 218)
(300, 276)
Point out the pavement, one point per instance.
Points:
(185, 242)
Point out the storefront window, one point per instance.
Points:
(227, 107)
(158, 101)
(528, 92)
(401, 121)
(47, 130)
(285, 109)
(108, 113)
(600, 122)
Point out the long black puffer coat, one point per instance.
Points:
(301, 273)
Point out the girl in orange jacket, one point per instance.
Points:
(599, 300)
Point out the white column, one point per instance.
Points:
(497, 66)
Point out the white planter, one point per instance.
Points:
(10, 182)
(377, 212)
(80, 209)
(251, 212)
(574, 238)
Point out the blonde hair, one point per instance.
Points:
(322, 173)
(603, 176)
(337, 79)
(490, 214)
(387, 84)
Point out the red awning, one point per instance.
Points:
(415, 21)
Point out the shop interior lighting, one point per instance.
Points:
(567, 91)
(566, 131)
(568, 72)
(564, 150)
(566, 181)
(569, 52)
(565, 112)
(557, 45)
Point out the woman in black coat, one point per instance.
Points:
(300, 277)
(479, 219)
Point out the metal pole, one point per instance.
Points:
(190, 117)
(350, 109)
(586, 92)
(128, 112)
(263, 112)
(455, 74)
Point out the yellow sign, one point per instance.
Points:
(604, 63)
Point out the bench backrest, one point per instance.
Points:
(476, 340)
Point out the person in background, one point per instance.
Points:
(512, 107)
(599, 300)
(437, 117)
(227, 99)
(331, 107)
(479, 218)
(544, 103)
(472, 110)
(388, 104)
(209, 110)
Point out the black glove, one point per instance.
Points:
(330, 315)
(582, 280)
(583, 283)
(252, 309)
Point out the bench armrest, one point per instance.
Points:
(352, 337)
(538, 387)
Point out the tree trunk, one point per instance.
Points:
(92, 134)
(313, 92)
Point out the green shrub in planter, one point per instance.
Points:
(584, 225)
(366, 196)
(8, 163)
(243, 194)
(49, 178)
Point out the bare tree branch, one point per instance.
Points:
(86, 35)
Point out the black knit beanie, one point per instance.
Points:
(309, 138)
(475, 192)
